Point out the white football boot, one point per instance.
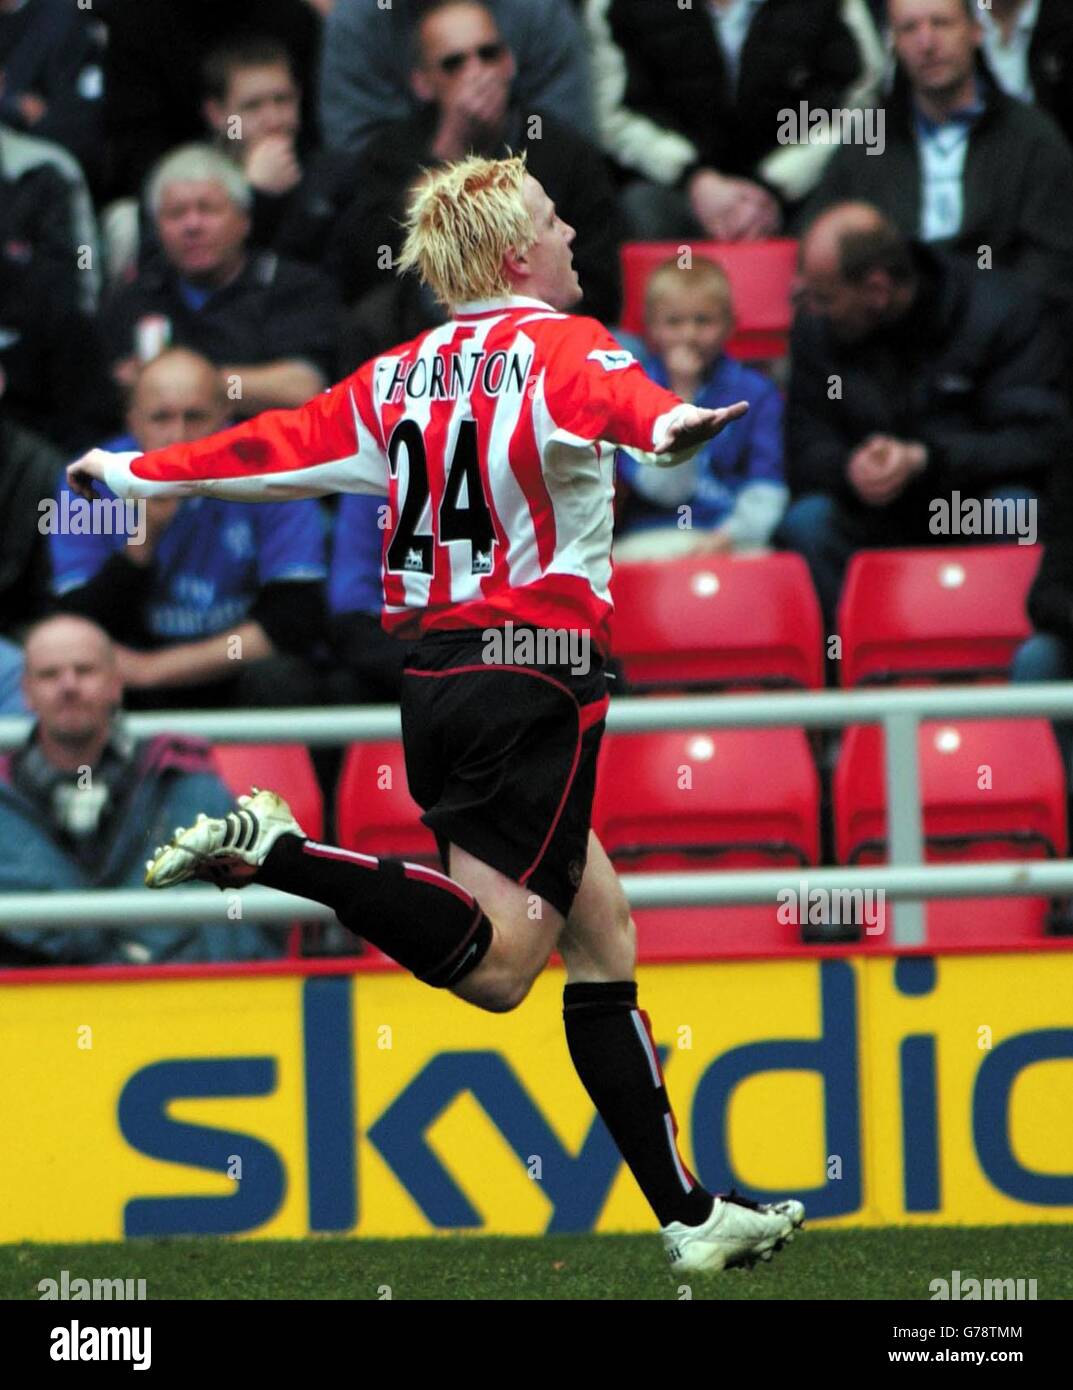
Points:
(227, 850)
(738, 1232)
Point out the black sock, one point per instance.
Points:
(611, 1045)
(418, 916)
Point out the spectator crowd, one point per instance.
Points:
(202, 209)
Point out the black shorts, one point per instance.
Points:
(502, 758)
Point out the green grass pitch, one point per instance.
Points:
(850, 1264)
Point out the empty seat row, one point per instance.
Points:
(909, 616)
(746, 799)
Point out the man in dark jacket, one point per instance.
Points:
(50, 64)
(464, 76)
(82, 804)
(916, 383)
(30, 469)
(965, 167)
(253, 108)
(1028, 45)
(693, 99)
(1048, 654)
(267, 322)
(152, 70)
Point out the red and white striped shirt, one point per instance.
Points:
(493, 437)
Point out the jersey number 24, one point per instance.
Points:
(411, 552)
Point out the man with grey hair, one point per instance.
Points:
(266, 322)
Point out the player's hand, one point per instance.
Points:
(84, 472)
(693, 426)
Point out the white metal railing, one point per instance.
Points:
(905, 879)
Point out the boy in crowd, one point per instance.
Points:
(731, 495)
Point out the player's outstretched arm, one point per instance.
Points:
(692, 426)
(330, 444)
(92, 468)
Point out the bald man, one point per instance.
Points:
(965, 168)
(914, 381)
(212, 603)
(81, 803)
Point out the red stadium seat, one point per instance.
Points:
(720, 621)
(973, 922)
(706, 933)
(921, 615)
(375, 812)
(1018, 813)
(745, 798)
(761, 275)
(667, 802)
(286, 768)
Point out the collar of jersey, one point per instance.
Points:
(477, 307)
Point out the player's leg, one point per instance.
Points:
(475, 932)
(427, 921)
(611, 1044)
(525, 928)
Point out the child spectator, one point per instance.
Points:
(731, 495)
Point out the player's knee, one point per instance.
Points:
(498, 993)
(503, 998)
(620, 948)
(629, 941)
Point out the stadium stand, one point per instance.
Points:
(718, 622)
(375, 813)
(671, 802)
(752, 800)
(712, 622)
(957, 613)
(990, 789)
(285, 767)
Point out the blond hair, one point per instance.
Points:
(461, 221)
(702, 276)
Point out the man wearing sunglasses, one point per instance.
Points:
(465, 77)
(367, 62)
